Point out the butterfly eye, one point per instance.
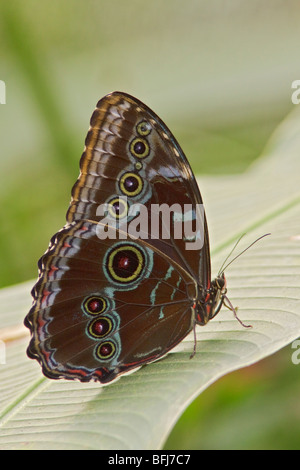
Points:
(100, 327)
(143, 128)
(94, 305)
(106, 350)
(139, 148)
(125, 263)
(131, 184)
(118, 208)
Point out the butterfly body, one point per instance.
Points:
(105, 305)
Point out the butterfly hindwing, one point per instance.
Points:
(88, 318)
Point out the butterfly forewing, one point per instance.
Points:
(128, 143)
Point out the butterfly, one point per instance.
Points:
(105, 305)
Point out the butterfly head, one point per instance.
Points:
(214, 299)
(217, 292)
(211, 301)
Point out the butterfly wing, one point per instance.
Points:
(130, 153)
(104, 308)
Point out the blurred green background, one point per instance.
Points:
(218, 73)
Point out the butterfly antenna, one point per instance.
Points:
(237, 256)
(227, 257)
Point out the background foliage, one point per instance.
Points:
(218, 73)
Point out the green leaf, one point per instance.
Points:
(139, 410)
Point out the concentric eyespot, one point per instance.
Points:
(139, 147)
(125, 263)
(131, 184)
(118, 207)
(143, 128)
(100, 327)
(106, 350)
(94, 305)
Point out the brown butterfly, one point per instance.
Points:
(103, 306)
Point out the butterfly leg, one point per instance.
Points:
(195, 340)
(234, 310)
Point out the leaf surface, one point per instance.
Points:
(139, 410)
